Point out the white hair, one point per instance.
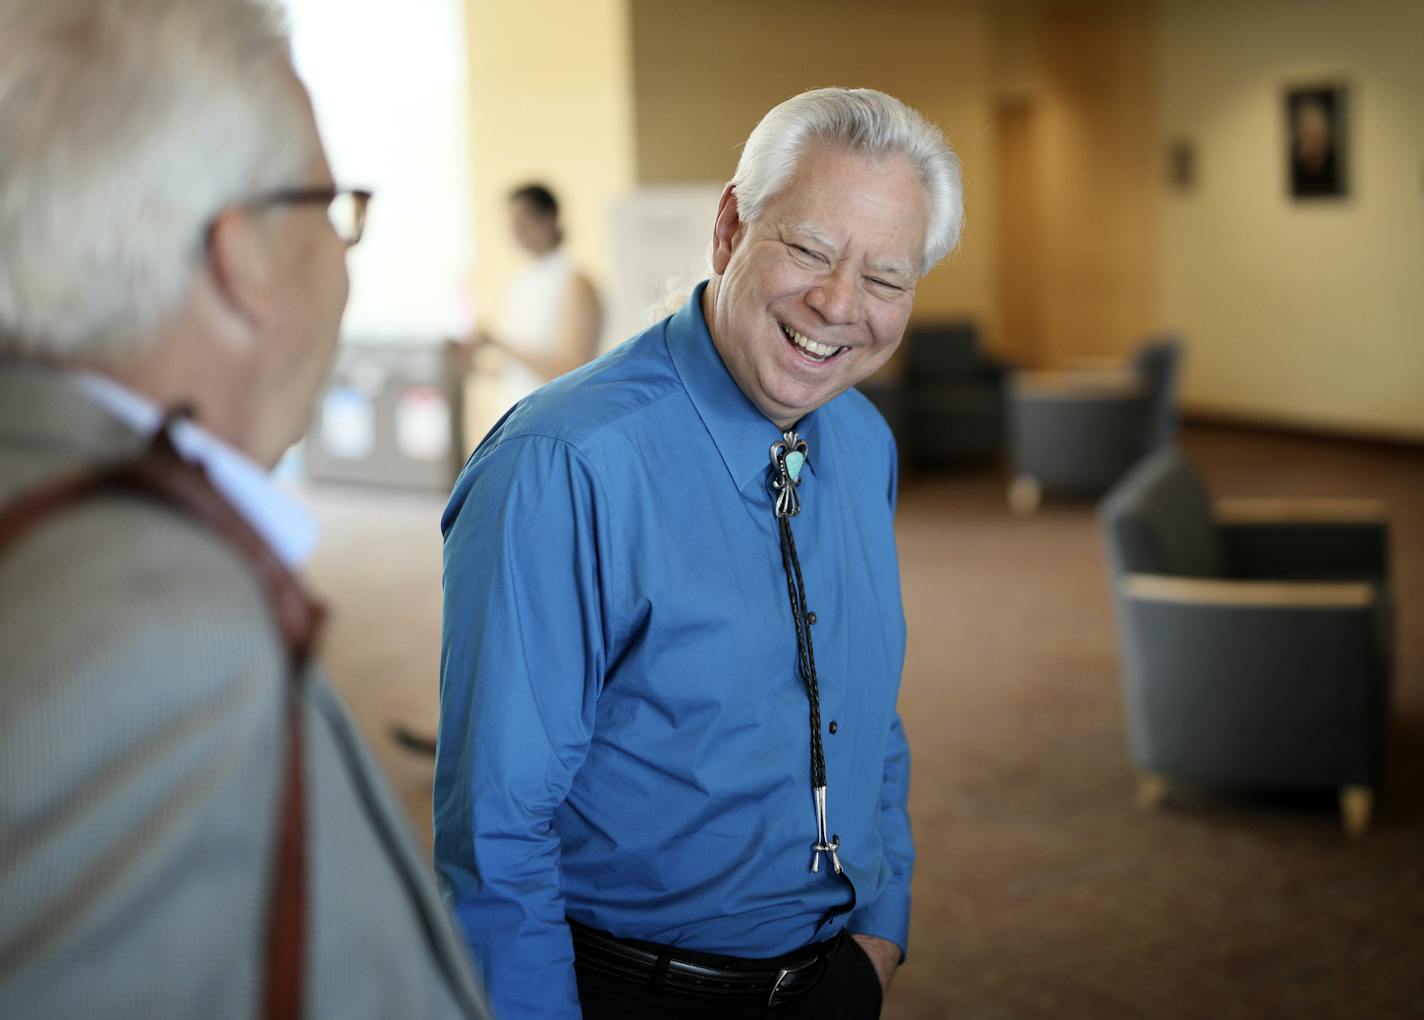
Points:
(128, 125)
(857, 120)
(861, 121)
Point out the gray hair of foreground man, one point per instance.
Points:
(863, 121)
(127, 126)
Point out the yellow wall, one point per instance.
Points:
(704, 75)
(1095, 113)
(1306, 313)
(1075, 170)
(550, 99)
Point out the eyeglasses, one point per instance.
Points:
(345, 207)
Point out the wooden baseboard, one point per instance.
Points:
(1293, 428)
(1300, 511)
(1248, 594)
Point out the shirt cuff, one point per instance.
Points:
(887, 918)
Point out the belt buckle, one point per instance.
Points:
(786, 972)
(781, 976)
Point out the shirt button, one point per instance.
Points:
(811, 617)
(834, 727)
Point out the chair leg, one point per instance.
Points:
(1151, 790)
(1025, 495)
(1356, 805)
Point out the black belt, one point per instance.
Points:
(771, 981)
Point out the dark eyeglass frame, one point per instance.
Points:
(319, 196)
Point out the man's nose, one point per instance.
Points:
(836, 298)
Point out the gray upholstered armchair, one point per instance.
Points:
(1255, 637)
(1076, 432)
(946, 407)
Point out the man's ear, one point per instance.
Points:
(241, 265)
(727, 231)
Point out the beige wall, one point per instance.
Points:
(550, 99)
(703, 76)
(1076, 180)
(1305, 313)
(1096, 113)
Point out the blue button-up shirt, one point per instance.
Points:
(624, 736)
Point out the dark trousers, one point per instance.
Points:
(849, 989)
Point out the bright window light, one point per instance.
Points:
(388, 81)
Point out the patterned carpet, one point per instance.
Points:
(1042, 891)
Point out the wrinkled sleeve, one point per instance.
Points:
(888, 916)
(522, 664)
(893, 493)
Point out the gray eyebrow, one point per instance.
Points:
(903, 269)
(814, 233)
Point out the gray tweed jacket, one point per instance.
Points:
(141, 719)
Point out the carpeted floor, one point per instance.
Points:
(1041, 890)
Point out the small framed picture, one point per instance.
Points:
(1181, 164)
(1318, 139)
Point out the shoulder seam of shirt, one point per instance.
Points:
(602, 483)
(595, 429)
(577, 442)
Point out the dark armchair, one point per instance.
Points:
(947, 407)
(1077, 432)
(1255, 637)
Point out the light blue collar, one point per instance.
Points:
(283, 523)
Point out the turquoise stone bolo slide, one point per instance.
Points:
(788, 456)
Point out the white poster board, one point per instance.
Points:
(661, 235)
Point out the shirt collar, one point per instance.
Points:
(743, 434)
(283, 523)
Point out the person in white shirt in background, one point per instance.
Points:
(551, 316)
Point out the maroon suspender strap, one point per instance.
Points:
(286, 923)
(161, 473)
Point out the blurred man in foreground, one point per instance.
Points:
(671, 778)
(190, 825)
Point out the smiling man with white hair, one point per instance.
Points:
(671, 779)
(189, 823)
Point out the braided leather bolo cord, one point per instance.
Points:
(805, 652)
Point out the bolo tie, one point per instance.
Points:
(788, 456)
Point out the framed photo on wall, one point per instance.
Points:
(1181, 164)
(1317, 136)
